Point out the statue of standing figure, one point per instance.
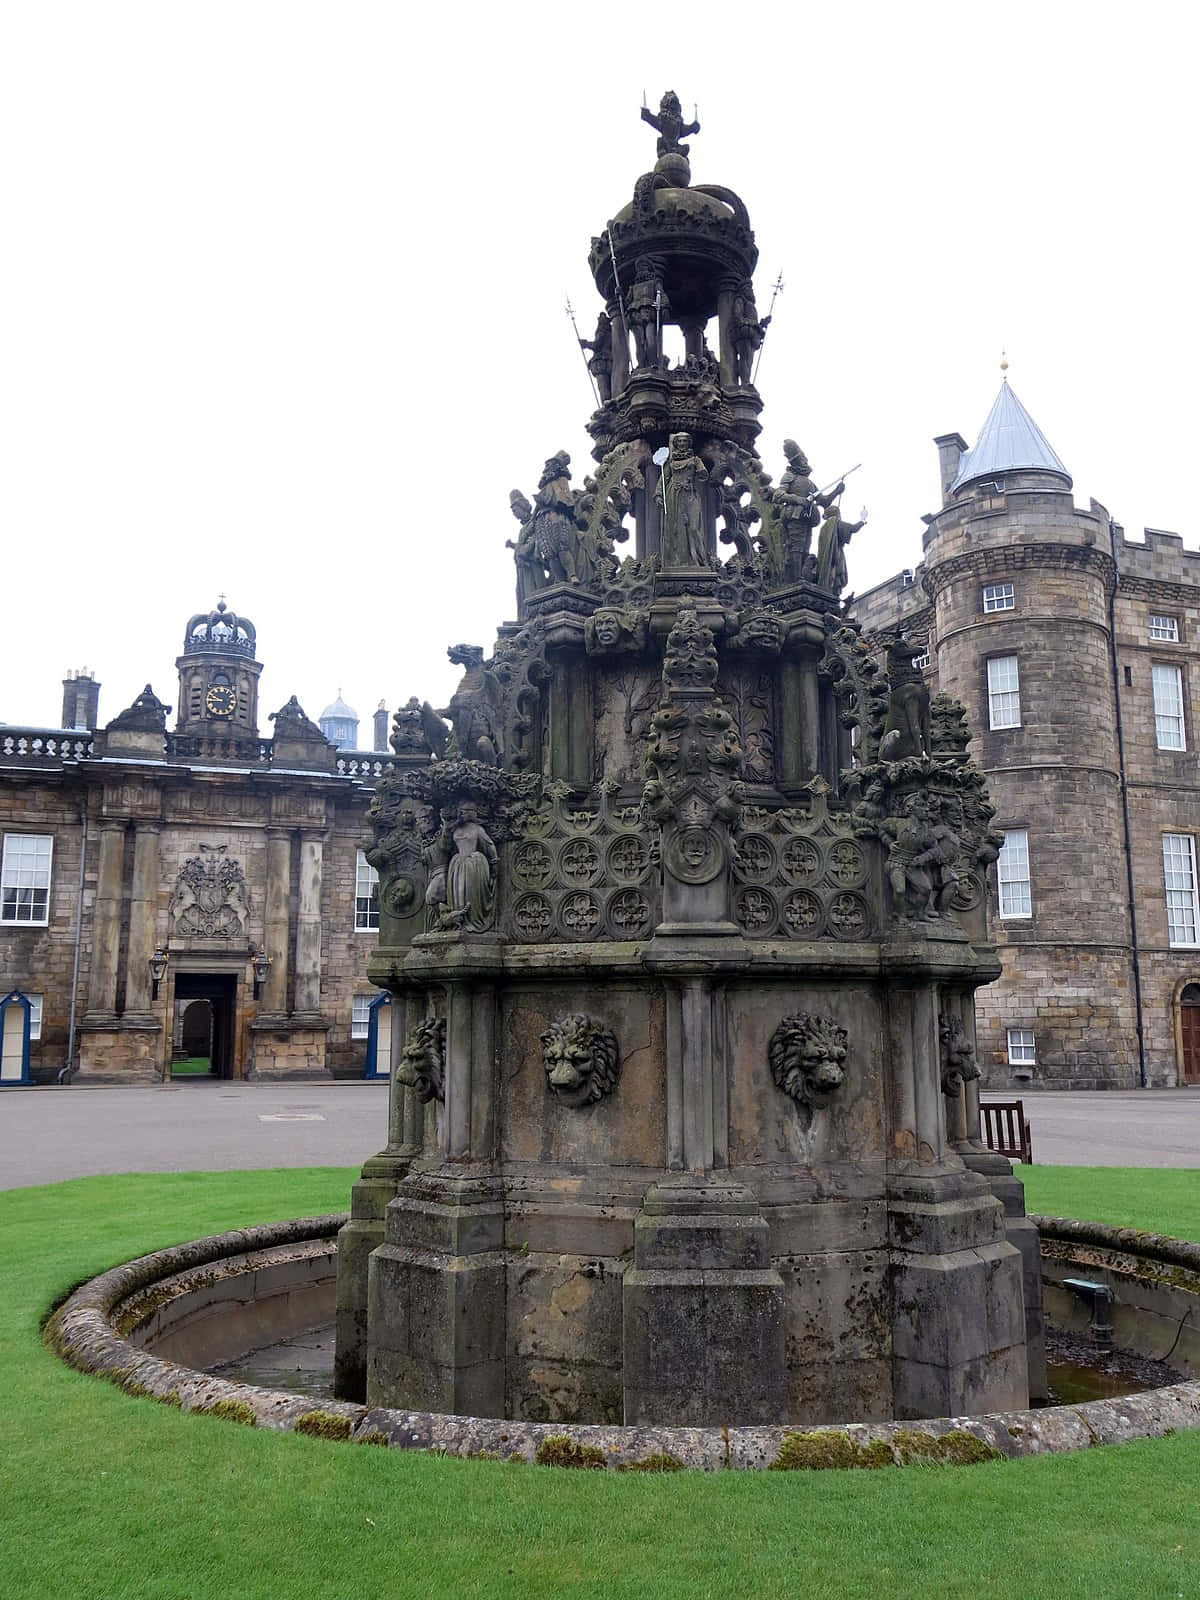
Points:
(471, 873)
(600, 362)
(800, 503)
(746, 331)
(531, 574)
(554, 520)
(831, 547)
(646, 309)
(685, 478)
(669, 124)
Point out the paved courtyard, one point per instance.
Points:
(48, 1134)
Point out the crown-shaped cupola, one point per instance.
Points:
(218, 675)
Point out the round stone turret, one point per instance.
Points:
(1021, 579)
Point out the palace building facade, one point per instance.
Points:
(1076, 652)
(198, 894)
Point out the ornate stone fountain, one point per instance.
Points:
(682, 915)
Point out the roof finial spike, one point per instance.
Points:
(1004, 363)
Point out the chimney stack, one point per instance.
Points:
(950, 447)
(81, 700)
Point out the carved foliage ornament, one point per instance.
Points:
(958, 1055)
(209, 901)
(580, 1058)
(807, 1055)
(423, 1061)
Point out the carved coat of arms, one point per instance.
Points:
(210, 900)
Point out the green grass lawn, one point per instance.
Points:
(191, 1066)
(106, 1497)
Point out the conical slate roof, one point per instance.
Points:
(1009, 441)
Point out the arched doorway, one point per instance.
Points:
(1189, 1034)
(196, 1039)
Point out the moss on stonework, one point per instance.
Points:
(559, 1451)
(834, 1448)
(372, 1436)
(227, 1411)
(323, 1425)
(954, 1449)
(657, 1461)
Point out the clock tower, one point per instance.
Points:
(218, 676)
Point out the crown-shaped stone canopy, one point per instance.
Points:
(219, 630)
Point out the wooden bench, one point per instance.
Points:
(1005, 1129)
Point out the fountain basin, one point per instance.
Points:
(152, 1324)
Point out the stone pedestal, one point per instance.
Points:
(436, 1301)
(703, 1310)
(291, 1047)
(1023, 1236)
(382, 1176)
(958, 1312)
(127, 1050)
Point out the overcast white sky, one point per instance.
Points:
(281, 293)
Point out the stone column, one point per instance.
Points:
(620, 348)
(106, 921)
(725, 329)
(308, 922)
(275, 918)
(143, 901)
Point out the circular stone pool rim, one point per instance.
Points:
(83, 1330)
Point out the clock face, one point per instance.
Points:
(220, 700)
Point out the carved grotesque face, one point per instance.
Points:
(422, 1065)
(807, 1055)
(579, 1055)
(607, 628)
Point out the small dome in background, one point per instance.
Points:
(339, 724)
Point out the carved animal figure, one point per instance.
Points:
(580, 1058)
(958, 1056)
(806, 1055)
(423, 1062)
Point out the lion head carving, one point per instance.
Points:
(806, 1055)
(423, 1061)
(580, 1057)
(958, 1055)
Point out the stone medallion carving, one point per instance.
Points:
(209, 903)
(532, 916)
(400, 897)
(580, 1058)
(958, 1055)
(803, 914)
(807, 1055)
(423, 1062)
(532, 864)
(628, 858)
(695, 855)
(629, 913)
(579, 915)
(800, 860)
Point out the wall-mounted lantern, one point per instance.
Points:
(261, 962)
(158, 970)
